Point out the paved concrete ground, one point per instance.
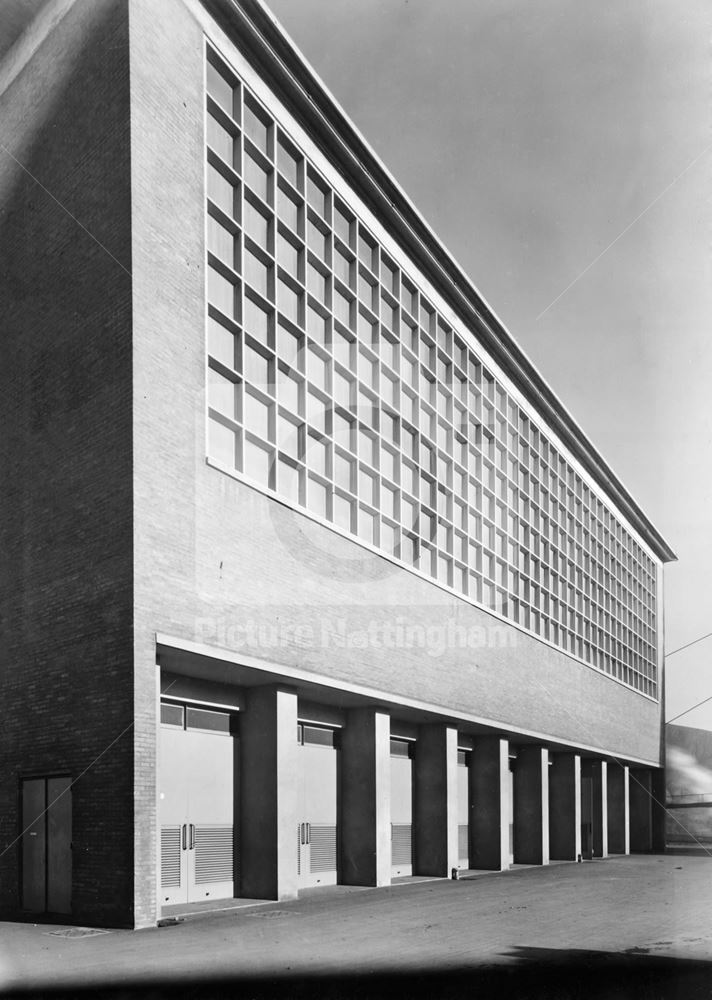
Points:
(645, 912)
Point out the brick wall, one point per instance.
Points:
(115, 527)
(214, 555)
(65, 447)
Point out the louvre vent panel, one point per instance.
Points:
(463, 838)
(399, 748)
(323, 849)
(401, 844)
(170, 857)
(213, 854)
(462, 758)
(317, 737)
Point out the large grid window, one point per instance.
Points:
(335, 383)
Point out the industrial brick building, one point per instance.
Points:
(307, 575)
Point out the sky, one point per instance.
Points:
(563, 154)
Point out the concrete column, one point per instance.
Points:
(565, 807)
(490, 810)
(618, 809)
(531, 806)
(599, 816)
(365, 814)
(268, 794)
(641, 810)
(435, 812)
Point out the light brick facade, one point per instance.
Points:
(116, 529)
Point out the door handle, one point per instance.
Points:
(192, 837)
(183, 841)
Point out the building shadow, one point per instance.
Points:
(521, 972)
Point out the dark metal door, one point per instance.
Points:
(47, 845)
(34, 842)
(59, 845)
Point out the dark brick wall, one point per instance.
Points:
(65, 448)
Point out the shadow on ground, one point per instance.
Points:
(690, 851)
(528, 973)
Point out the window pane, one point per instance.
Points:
(257, 415)
(258, 127)
(389, 463)
(317, 455)
(367, 488)
(343, 267)
(367, 250)
(291, 392)
(342, 308)
(258, 463)
(288, 210)
(221, 443)
(368, 526)
(344, 472)
(257, 226)
(258, 369)
(221, 242)
(171, 715)
(290, 302)
(344, 433)
(289, 256)
(221, 343)
(343, 512)
(257, 177)
(389, 314)
(222, 394)
(220, 140)
(318, 498)
(258, 274)
(203, 718)
(316, 412)
(318, 239)
(389, 537)
(288, 162)
(318, 371)
(288, 437)
(316, 194)
(343, 223)
(389, 500)
(289, 347)
(220, 190)
(317, 283)
(343, 349)
(257, 320)
(316, 325)
(221, 292)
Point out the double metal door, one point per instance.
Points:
(401, 808)
(511, 812)
(317, 828)
(463, 808)
(197, 816)
(47, 844)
